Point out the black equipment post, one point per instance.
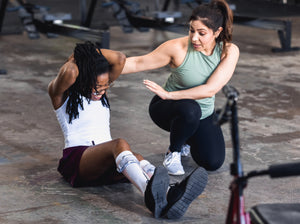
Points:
(2, 13)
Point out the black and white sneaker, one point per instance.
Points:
(156, 191)
(181, 195)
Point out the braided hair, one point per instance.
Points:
(90, 63)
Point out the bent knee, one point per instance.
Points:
(213, 167)
(210, 165)
(121, 145)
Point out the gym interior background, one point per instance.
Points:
(32, 49)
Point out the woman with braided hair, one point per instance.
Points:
(91, 156)
(201, 63)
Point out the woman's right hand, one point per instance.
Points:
(157, 89)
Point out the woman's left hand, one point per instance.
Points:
(157, 89)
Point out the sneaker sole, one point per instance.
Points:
(194, 187)
(159, 187)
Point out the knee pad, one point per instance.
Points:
(124, 159)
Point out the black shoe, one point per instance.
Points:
(156, 191)
(181, 195)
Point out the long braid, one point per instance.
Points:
(90, 63)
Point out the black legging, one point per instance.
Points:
(182, 119)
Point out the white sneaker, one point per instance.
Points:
(185, 150)
(173, 163)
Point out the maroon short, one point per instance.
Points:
(69, 168)
(69, 164)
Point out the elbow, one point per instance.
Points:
(70, 74)
(212, 89)
(121, 59)
(211, 92)
(73, 71)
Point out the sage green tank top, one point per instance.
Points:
(194, 71)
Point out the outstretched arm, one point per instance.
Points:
(171, 53)
(218, 79)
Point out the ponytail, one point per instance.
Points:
(226, 34)
(216, 14)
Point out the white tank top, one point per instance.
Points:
(91, 127)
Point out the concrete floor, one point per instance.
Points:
(31, 142)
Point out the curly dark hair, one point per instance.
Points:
(91, 63)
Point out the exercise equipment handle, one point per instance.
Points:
(284, 170)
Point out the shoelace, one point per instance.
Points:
(174, 157)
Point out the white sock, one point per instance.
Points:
(147, 167)
(129, 165)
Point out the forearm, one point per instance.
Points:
(133, 65)
(116, 60)
(199, 92)
(158, 58)
(214, 84)
(196, 93)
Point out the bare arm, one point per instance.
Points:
(171, 53)
(117, 61)
(66, 77)
(218, 79)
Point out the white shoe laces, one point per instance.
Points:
(173, 157)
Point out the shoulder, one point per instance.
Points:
(177, 49)
(178, 43)
(232, 50)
